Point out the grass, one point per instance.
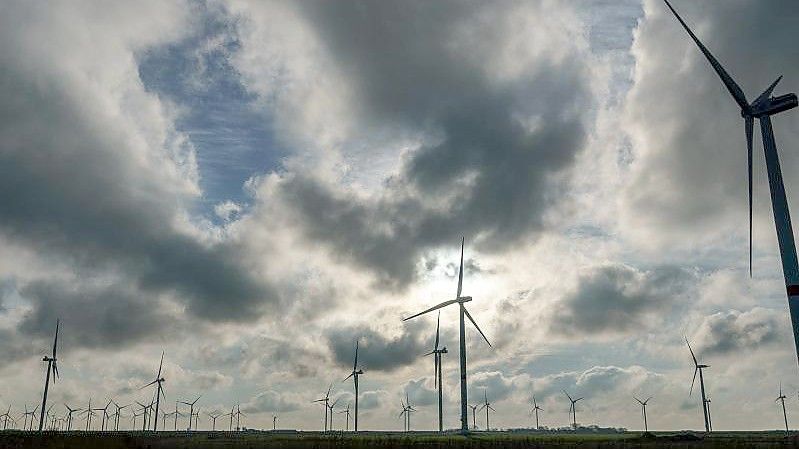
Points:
(315, 440)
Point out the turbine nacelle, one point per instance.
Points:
(463, 299)
(772, 106)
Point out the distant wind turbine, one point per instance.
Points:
(535, 410)
(762, 108)
(487, 406)
(437, 356)
(573, 408)
(325, 401)
(781, 398)
(698, 369)
(52, 366)
(159, 390)
(354, 374)
(474, 415)
(643, 411)
(460, 300)
(191, 408)
(407, 409)
(274, 420)
(347, 413)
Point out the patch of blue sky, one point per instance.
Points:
(233, 138)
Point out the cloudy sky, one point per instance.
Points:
(253, 186)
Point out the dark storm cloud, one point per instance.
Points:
(93, 317)
(493, 149)
(74, 187)
(377, 351)
(617, 299)
(734, 331)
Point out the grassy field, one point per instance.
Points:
(498, 440)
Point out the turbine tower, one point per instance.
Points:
(698, 369)
(52, 366)
(535, 410)
(573, 409)
(460, 300)
(762, 108)
(781, 398)
(354, 374)
(487, 406)
(643, 411)
(159, 390)
(437, 355)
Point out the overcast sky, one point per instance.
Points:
(252, 186)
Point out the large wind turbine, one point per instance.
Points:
(762, 108)
(460, 300)
(354, 374)
(535, 410)
(52, 366)
(643, 411)
(159, 390)
(782, 398)
(437, 355)
(698, 369)
(573, 409)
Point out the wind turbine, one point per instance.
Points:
(762, 108)
(159, 390)
(573, 409)
(239, 415)
(5, 417)
(643, 411)
(325, 400)
(213, 417)
(406, 412)
(146, 411)
(89, 413)
(49, 417)
(487, 406)
(274, 419)
(32, 414)
(437, 354)
(52, 366)
(354, 374)
(191, 408)
(474, 415)
(105, 415)
(460, 300)
(347, 412)
(117, 414)
(177, 414)
(782, 398)
(698, 369)
(331, 413)
(535, 410)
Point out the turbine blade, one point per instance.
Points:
(355, 365)
(732, 87)
(55, 341)
(142, 388)
(468, 315)
(767, 93)
(160, 365)
(460, 270)
(749, 122)
(443, 304)
(438, 325)
(693, 381)
(696, 363)
(351, 374)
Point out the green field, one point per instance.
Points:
(498, 440)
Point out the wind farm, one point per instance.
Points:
(277, 196)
